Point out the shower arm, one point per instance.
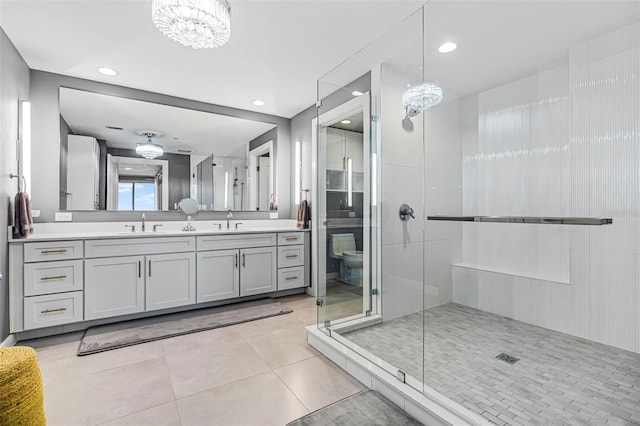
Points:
(592, 221)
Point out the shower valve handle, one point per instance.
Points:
(406, 212)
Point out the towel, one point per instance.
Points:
(23, 222)
(303, 215)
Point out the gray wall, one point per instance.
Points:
(179, 173)
(46, 136)
(14, 86)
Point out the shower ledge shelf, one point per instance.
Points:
(513, 272)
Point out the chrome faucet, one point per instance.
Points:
(229, 216)
(143, 219)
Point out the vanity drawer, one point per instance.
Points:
(291, 277)
(52, 309)
(58, 250)
(290, 256)
(223, 242)
(290, 238)
(52, 277)
(138, 246)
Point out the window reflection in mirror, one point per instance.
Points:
(205, 156)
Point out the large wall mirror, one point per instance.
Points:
(121, 154)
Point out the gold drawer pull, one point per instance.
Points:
(236, 262)
(292, 256)
(57, 277)
(53, 251)
(49, 311)
(293, 238)
(291, 278)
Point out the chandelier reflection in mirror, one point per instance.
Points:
(200, 24)
(148, 149)
(420, 97)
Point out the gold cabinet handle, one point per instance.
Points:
(57, 277)
(243, 260)
(149, 268)
(53, 251)
(291, 278)
(49, 311)
(292, 238)
(139, 269)
(236, 262)
(292, 256)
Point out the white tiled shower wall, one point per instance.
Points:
(416, 268)
(565, 142)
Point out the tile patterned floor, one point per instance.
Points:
(257, 373)
(559, 380)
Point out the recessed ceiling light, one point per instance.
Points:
(346, 121)
(447, 47)
(128, 168)
(107, 71)
(357, 93)
(258, 102)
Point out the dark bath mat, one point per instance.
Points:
(112, 336)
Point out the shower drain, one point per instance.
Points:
(507, 358)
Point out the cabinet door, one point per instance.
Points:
(354, 149)
(113, 286)
(257, 271)
(171, 280)
(335, 149)
(218, 275)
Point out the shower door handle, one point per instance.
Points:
(405, 212)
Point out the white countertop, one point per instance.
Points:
(94, 230)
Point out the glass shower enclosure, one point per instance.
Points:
(493, 192)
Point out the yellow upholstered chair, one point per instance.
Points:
(21, 398)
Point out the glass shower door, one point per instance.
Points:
(343, 205)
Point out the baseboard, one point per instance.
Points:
(9, 341)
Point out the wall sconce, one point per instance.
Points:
(298, 171)
(349, 182)
(226, 190)
(24, 145)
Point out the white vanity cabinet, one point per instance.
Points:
(258, 272)
(114, 286)
(51, 283)
(218, 275)
(149, 278)
(58, 283)
(236, 265)
(291, 260)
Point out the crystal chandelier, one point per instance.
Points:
(195, 23)
(148, 149)
(420, 97)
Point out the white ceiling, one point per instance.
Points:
(277, 51)
(202, 133)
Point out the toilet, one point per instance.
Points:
(343, 247)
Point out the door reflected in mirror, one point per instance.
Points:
(122, 154)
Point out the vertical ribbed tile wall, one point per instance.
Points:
(564, 142)
(604, 76)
